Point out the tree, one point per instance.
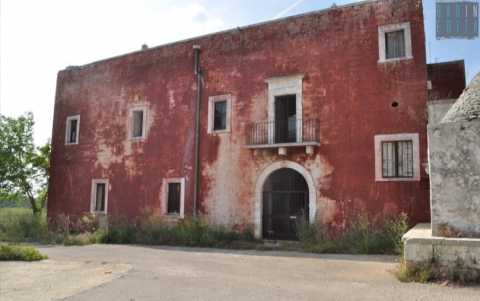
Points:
(24, 168)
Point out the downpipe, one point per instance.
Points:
(198, 74)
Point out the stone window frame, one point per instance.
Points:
(378, 139)
(94, 195)
(382, 30)
(164, 206)
(280, 86)
(211, 113)
(67, 129)
(132, 109)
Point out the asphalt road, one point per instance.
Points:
(204, 274)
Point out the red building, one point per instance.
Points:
(322, 114)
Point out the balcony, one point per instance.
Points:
(282, 134)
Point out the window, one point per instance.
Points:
(137, 130)
(174, 197)
(137, 122)
(394, 42)
(72, 129)
(99, 196)
(219, 113)
(397, 157)
(173, 205)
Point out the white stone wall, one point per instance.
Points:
(437, 110)
(454, 151)
(421, 246)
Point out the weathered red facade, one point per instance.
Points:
(344, 86)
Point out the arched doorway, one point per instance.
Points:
(285, 199)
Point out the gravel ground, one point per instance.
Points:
(116, 272)
(52, 279)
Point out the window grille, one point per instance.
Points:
(397, 159)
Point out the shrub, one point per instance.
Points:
(360, 237)
(187, 232)
(20, 253)
(121, 231)
(83, 239)
(414, 273)
(20, 225)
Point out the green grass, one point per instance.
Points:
(20, 253)
(359, 237)
(193, 232)
(433, 271)
(414, 273)
(21, 225)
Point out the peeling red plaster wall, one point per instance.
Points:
(344, 87)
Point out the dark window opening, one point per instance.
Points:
(173, 206)
(72, 135)
(285, 119)
(100, 197)
(397, 159)
(395, 44)
(220, 115)
(137, 124)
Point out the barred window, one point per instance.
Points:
(397, 159)
(395, 44)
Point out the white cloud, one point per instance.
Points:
(38, 38)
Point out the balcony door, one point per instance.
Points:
(285, 119)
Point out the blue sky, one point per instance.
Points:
(38, 38)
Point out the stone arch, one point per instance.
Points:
(258, 203)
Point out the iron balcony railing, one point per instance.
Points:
(293, 131)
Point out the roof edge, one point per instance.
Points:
(239, 28)
(462, 61)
